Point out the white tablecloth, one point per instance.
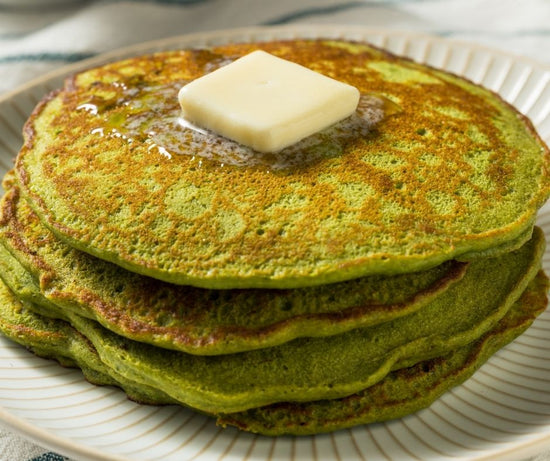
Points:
(37, 36)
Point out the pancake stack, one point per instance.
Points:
(350, 278)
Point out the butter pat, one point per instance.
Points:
(265, 102)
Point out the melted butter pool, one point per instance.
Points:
(153, 116)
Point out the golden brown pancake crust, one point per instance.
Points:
(455, 170)
(198, 320)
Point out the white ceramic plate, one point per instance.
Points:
(503, 412)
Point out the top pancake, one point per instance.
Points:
(449, 172)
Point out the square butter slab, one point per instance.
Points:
(265, 102)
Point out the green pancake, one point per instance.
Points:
(451, 171)
(198, 320)
(400, 393)
(403, 391)
(56, 339)
(309, 369)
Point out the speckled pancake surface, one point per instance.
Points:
(199, 320)
(431, 168)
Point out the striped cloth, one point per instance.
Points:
(37, 36)
(36, 40)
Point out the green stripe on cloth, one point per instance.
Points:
(49, 457)
(66, 57)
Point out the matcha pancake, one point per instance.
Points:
(403, 391)
(56, 339)
(309, 368)
(433, 168)
(198, 320)
(400, 393)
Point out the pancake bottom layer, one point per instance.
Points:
(310, 369)
(400, 393)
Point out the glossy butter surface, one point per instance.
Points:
(232, 101)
